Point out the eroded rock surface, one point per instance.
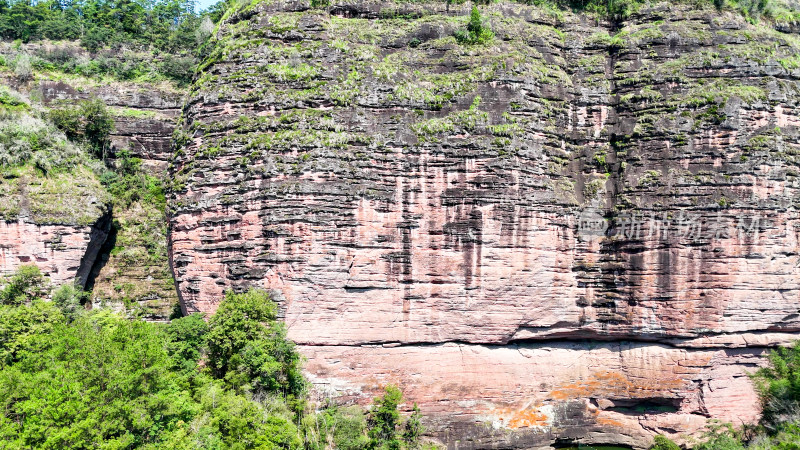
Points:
(449, 217)
(144, 115)
(63, 252)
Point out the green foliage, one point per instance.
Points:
(349, 429)
(187, 338)
(384, 419)
(168, 25)
(26, 285)
(25, 138)
(71, 378)
(22, 68)
(21, 325)
(779, 386)
(11, 101)
(100, 381)
(721, 437)
(750, 9)
(129, 183)
(622, 9)
(413, 429)
(344, 427)
(69, 298)
(170, 32)
(179, 68)
(662, 443)
(247, 346)
(476, 33)
(88, 121)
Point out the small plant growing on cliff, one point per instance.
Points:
(384, 419)
(22, 68)
(662, 443)
(413, 429)
(476, 33)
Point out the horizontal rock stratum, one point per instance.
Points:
(580, 231)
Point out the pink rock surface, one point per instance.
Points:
(443, 248)
(620, 393)
(62, 252)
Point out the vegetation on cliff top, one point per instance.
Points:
(58, 167)
(127, 39)
(45, 176)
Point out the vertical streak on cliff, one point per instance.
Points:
(465, 240)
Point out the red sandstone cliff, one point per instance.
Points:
(421, 210)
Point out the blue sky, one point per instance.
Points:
(204, 4)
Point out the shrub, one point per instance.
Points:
(779, 386)
(69, 298)
(477, 32)
(28, 139)
(96, 38)
(413, 429)
(22, 68)
(344, 427)
(26, 285)
(662, 443)
(721, 437)
(89, 121)
(384, 419)
(179, 68)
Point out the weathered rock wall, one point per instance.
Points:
(129, 269)
(425, 211)
(144, 116)
(65, 253)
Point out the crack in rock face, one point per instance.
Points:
(558, 236)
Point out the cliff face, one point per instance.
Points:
(580, 229)
(63, 251)
(144, 116)
(123, 258)
(133, 272)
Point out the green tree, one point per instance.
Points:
(187, 340)
(24, 286)
(413, 429)
(476, 33)
(248, 347)
(384, 419)
(21, 325)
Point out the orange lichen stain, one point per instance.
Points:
(522, 418)
(600, 419)
(609, 422)
(614, 385)
(528, 418)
